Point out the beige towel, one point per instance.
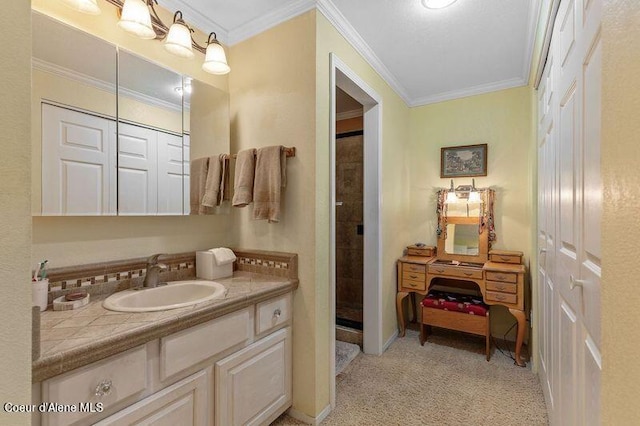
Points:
(198, 179)
(212, 184)
(270, 177)
(243, 178)
(224, 181)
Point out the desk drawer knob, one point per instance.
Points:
(103, 388)
(277, 313)
(501, 277)
(500, 297)
(413, 284)
(439, 271)
(415, 277)
(506, 259)
(468, 274)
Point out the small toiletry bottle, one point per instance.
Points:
(40, 291)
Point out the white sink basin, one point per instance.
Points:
(176, 294)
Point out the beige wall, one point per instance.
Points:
(74, 240)
(620, 229)
(272, 88)
(15, 223)
(395, 153)
(503, 121)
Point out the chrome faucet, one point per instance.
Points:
(151, 278)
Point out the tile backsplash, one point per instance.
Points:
(108, 277)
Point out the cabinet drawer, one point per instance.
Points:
(186, 348)
(415, 285)
(271, 313)
(495, 296)
(455, 271)
(413, 267)
(119, 377)
(513, 257)
(414, 276)
(503, 287)
(505, 277)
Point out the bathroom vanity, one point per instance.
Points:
(222, 362)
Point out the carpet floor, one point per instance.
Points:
(445, 382)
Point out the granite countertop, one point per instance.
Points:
(72, 339)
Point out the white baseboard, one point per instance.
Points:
(388, 343)
(308, 419)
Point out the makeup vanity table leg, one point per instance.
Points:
(399, 298)
(522, 324)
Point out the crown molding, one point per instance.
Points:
(197, 19)
(470, 91)
(349, 114)
(337, 19)
(67, 73)
(535, 8)
(269, 20)
(70, 74)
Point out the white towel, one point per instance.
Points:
(223, 255)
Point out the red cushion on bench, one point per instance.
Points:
(472, 305)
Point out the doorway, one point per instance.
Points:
(347, 81)
(349, 233)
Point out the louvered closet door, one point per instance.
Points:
(572, 272)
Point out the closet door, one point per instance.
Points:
(78, 163)
(571, 271)
(170, 184)
(137, 170)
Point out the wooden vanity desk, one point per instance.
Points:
(499, 284)
(464, 260)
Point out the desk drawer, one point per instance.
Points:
(455, 271)
(414, 285)
(495, 296)
(414, 276)
(413, 267)
(502, 287)
(505, 277)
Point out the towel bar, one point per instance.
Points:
(290, 151)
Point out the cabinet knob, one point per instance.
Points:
(277, 313)
(500, 277)
(468, 274)
(103, 388)
(413, 276)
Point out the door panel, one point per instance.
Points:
(568, 368)
(77, 151)
(137, 170)
(170, 164)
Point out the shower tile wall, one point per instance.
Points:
(349, 216)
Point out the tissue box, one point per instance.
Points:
(207, 269)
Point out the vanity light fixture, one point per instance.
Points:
(178, 39)
(139, 17)
(451, 195)
(474, 194)
(437, 4)
(89, 7)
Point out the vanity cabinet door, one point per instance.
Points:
(183, 403)
(253, 386)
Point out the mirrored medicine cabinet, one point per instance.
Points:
(114, 133)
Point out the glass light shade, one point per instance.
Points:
(215, 61)
(451, 197)
(474, 198)
(89, 7)
(136, 19)
(437, 4)
(178, 40)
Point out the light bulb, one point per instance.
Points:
(178, 39)
(135, 19)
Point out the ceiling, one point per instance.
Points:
(426, 55)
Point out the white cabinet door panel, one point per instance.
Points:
(170, 175)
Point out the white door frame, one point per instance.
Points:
(345, 78)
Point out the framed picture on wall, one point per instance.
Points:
(463, 161)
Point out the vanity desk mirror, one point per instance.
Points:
(465, 262)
